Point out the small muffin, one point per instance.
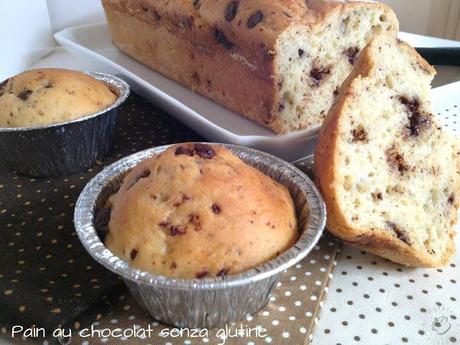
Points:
(198, 211)
(48, 96)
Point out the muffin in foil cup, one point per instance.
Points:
(207, 302)
(65, 148)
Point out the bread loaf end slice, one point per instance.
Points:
(388, 172)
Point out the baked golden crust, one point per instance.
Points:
(51, 95)
(198, 211)
(228, 51)
(328, 172)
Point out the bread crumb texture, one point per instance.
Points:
(389, 173)
(278, 63)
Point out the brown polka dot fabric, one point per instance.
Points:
(46, 277)
(289, 318)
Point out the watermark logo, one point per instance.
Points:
(441, 325)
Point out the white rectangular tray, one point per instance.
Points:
(206, 117)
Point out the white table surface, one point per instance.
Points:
(348, 316)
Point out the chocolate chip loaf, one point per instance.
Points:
(198, 211)
(277, 62)
(51, 95)
(389, 174)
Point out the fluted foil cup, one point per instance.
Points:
(208, 302)
(63, 148)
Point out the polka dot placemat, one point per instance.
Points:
(47, 279)
(289, 318)
(373, 301)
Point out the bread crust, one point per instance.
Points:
(377, 241)
(192, 43)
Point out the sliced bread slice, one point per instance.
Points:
(389, 174)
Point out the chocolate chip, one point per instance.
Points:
(412, 105)
(352, 52)
(255, 19)
(417, 122)
(204, 151)
(194, 219)
(301, 52)
(396, 160)
(399, 232)
(216, 209)
(359, 134)
(24, 94)
(317, 74)
(173, 265)
(174, 229)
(231, 10)
(183, 150)
(133, 254)
(377, 196)
(177, 230)
(451, 199)
(222, 273)
(201, 274)
(417, 118)
(222, 39)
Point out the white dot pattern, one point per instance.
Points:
(287, 319)
(373, 301)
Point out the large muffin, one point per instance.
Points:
(47, 96)
(198, 211)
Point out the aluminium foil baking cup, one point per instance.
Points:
(64, 148)
(208, 302)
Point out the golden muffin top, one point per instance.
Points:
(198, 211)
(47, 96)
